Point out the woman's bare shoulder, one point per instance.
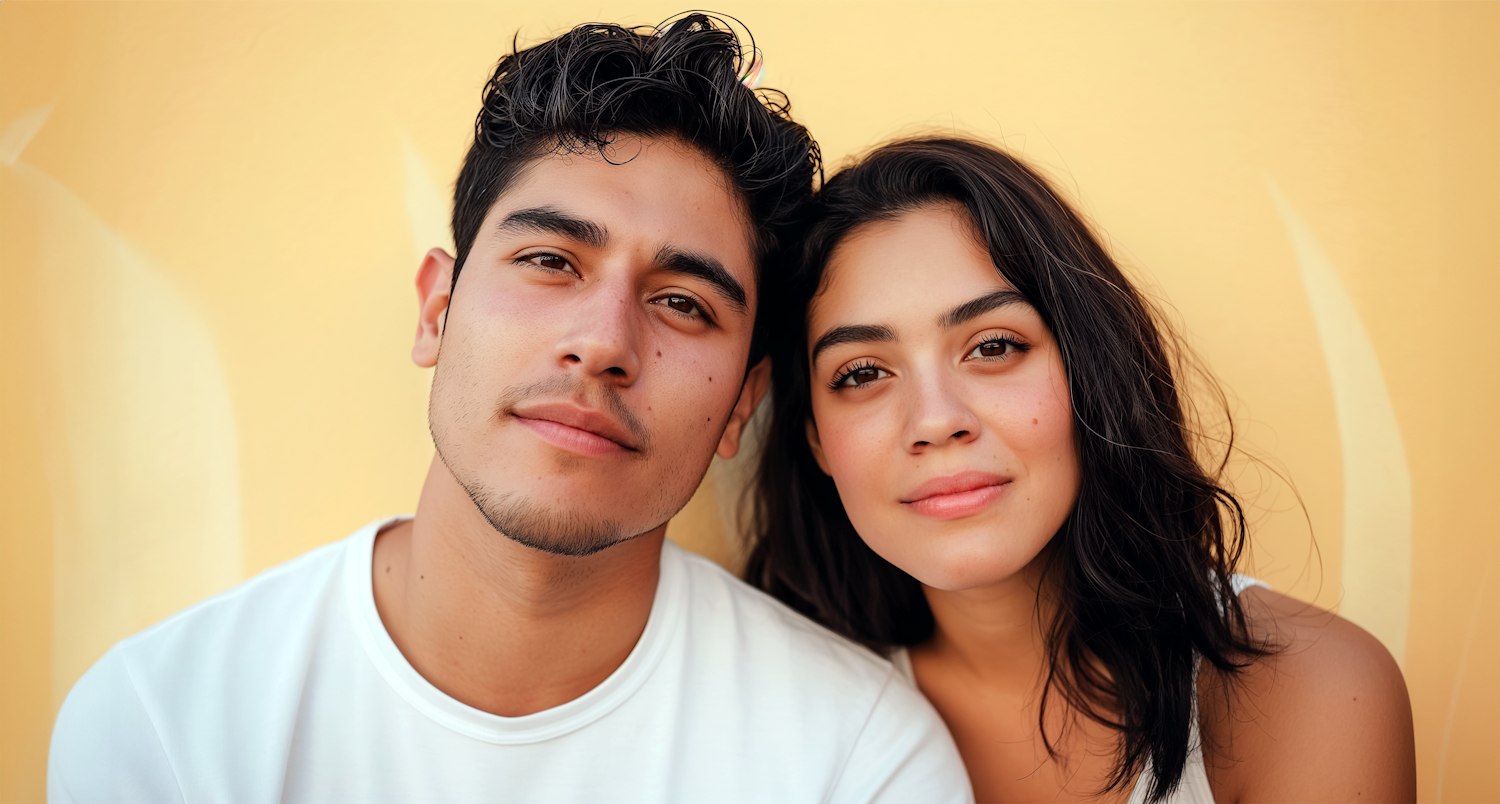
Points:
(1323, 650)
(1325, 716)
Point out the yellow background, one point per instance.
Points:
(211, 213)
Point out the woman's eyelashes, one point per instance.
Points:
(858, 374)
(998, 347)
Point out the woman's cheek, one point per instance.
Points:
(852, 447)
(1043, 441)
(841, 449)
(1032, 420)
(863, 456)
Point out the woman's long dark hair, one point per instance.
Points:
(1141, 567)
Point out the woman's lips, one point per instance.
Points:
(957, 495)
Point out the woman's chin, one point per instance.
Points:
(959, 564)
(965, 579)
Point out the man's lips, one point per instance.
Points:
(576, 429)
(957, 495)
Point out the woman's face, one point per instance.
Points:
(940, 403)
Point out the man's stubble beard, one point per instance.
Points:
(563, 531)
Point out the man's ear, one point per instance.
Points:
(816, 445)
(434, 282)
(756, 382)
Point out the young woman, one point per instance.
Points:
(982, 461)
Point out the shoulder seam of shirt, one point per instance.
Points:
(155, 732)
(797, 620)
(854, 745)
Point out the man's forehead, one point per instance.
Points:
(662, 196)
(633, 167)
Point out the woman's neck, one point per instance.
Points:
(984, 670)
(991, 634)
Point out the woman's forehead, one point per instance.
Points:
(924, 260)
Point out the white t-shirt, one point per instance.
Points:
(288, 688)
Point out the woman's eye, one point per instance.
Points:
(999, 348)
(861, 376)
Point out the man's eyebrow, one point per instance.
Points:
(709, 270)
(550, 220)
(852, 333)
(970, 310)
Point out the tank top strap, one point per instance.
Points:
(1193, 787)
(1243, 582)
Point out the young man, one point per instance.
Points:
(529, 636)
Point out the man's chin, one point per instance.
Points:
(551, 528)
(572, 545)
(565, 511)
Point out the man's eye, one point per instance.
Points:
(549, 262)
(681, 304)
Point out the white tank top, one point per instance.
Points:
(1193, 787)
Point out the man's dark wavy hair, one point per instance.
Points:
(1140, 570)
(579, 91)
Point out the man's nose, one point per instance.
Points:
(601, 339)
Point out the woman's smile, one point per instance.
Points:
(956, 496)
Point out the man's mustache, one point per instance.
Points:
(589, 394)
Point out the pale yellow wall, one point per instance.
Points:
(210, 215)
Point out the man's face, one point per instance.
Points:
(595, 344)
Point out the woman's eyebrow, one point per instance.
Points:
(853, 333)
(970, 310)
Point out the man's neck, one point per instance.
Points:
(500, 626)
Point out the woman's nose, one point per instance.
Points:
(939, 416)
